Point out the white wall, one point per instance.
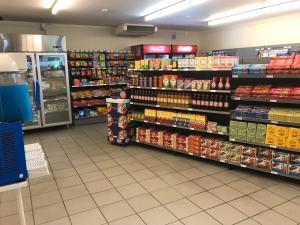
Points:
(268, 31)
(94, 37)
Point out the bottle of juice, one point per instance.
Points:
(198, 103)
(175, 102)
(211, 101)
(216, 102)
(226, 103)
(227, 84)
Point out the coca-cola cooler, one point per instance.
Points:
(150, 51)
(184, 51)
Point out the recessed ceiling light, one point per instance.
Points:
(188, 17)
(104, 10)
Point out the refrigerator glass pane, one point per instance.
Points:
(54, 88)
(31, 78)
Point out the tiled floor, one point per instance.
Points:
(94, 183)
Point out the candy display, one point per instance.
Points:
(117, 121)
(249, 69)
(178, 82)
(87, 102)
(267, 91)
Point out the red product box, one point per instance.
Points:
(214, 154)
(187, 83)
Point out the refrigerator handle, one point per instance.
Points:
(37, 94)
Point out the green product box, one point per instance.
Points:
(261, 128)
(233, 124)
(242, 137)
(252, 125)
(260, 139)
(233, 136)
(251, 139)
(223, 129)
(235, 131)
(242, 126)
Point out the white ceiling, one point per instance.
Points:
(88, 12)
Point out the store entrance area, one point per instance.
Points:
(93, 182)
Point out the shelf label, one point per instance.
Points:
(213, 90)
(185, 69)
(209, 131)
(236, 98)
(137, 141)
(239, 118)
(163, 88)
(269, 76)
(221, 160)
(194, 90)
(174, 125)
(157, 106)
(191, 128)
(274, 121)
(190, 153)
(202, 156)
(190, 109)
(273, 146)
(146, 121)
(138, 87)
(232, 139)
(235, 76)
(158, 123)
(242, 165)
(221, 133)
(131, 103)
(273, 100)
(273, 172)
(179, 89)
(154, 88)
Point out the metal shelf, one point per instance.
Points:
(185, 69)
(90, 120)
(267, 76)
(100, 85)
(265, 121)
(181, 108)
(181, 127)
(186, 90)
(216, 160)
(86, 106)
(90, 97)
(251, 99)
(266, 146)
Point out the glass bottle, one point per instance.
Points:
(227, 84)
(213, 85)
(226, 103)
(220, 84)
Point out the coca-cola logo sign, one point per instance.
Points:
(184, 48)
(157, 49)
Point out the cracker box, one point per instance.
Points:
(264, 153)
(242, 126)
(251, 128)
(271, 129)
(264, 163)
(233, 124)
(236, 148)
(224, 155)
(294, 133)
(214, 154)
(247, 160)
(249, 151)
(235, 157)
(294, 170)
(280, 167)
(295, 159)
(281, 157)
(291, 143)
(261, 129)
(270, 139)
(282, 131)
(280, 141)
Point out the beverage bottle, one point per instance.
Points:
(221, 103)
(155, 98)
(186, 100)
(137, 96)
(194, 100)
(216, 102)
(179, 102)
(198, 103)
(175, 100)
(220, 84)
(226, 103)
(213, 85)
(132, 95)
(202, 102)
(211, 101)
(227, 84)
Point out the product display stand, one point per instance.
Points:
(17, 188)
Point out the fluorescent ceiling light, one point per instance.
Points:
(48, 3)
(60, 5)
(255, 10)
(169, 7)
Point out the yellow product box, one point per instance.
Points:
(192, 117)
(282, 131)
(291, 143)
(201, 118)
(173, 114)
(271, 129)
(294, 133)
(210, 62)
(280, 141)
(148, 130)
(137, 64)
(270, 139)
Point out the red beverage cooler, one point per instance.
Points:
(184, 51)
(150, 51)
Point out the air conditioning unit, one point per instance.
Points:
(135, 29)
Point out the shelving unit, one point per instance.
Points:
(220, 161)
(97, 72)
(181, 127)
(266, 76)
(184, 70)
(264, 121)
(181, 108)
(181, 90)
(250, 99)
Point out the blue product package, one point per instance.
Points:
(15, 103)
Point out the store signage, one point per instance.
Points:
(157, 49)
(184, 48)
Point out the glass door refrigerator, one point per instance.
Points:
(54, 90)
(33, 86)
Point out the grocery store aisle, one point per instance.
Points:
(94, 183)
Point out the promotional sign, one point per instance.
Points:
(156, 49)
(184, 49)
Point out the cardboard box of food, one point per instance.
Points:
(282, 131)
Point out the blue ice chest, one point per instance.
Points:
(12, 154)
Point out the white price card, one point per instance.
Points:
(174, 126)
(158, 123)
(274, 121)
(221, 160)
(274, 172)
(232, 139)
(202, 156)
(192, 128)
(191, 153)
(146, 121)
(239, 118)
(235, 76)
(213, 90)
(273, 100)
(273, 146)
(236, 98)
(209, 131)
(269, 76)
(190, 109)
(157, 106)
(242, 165)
